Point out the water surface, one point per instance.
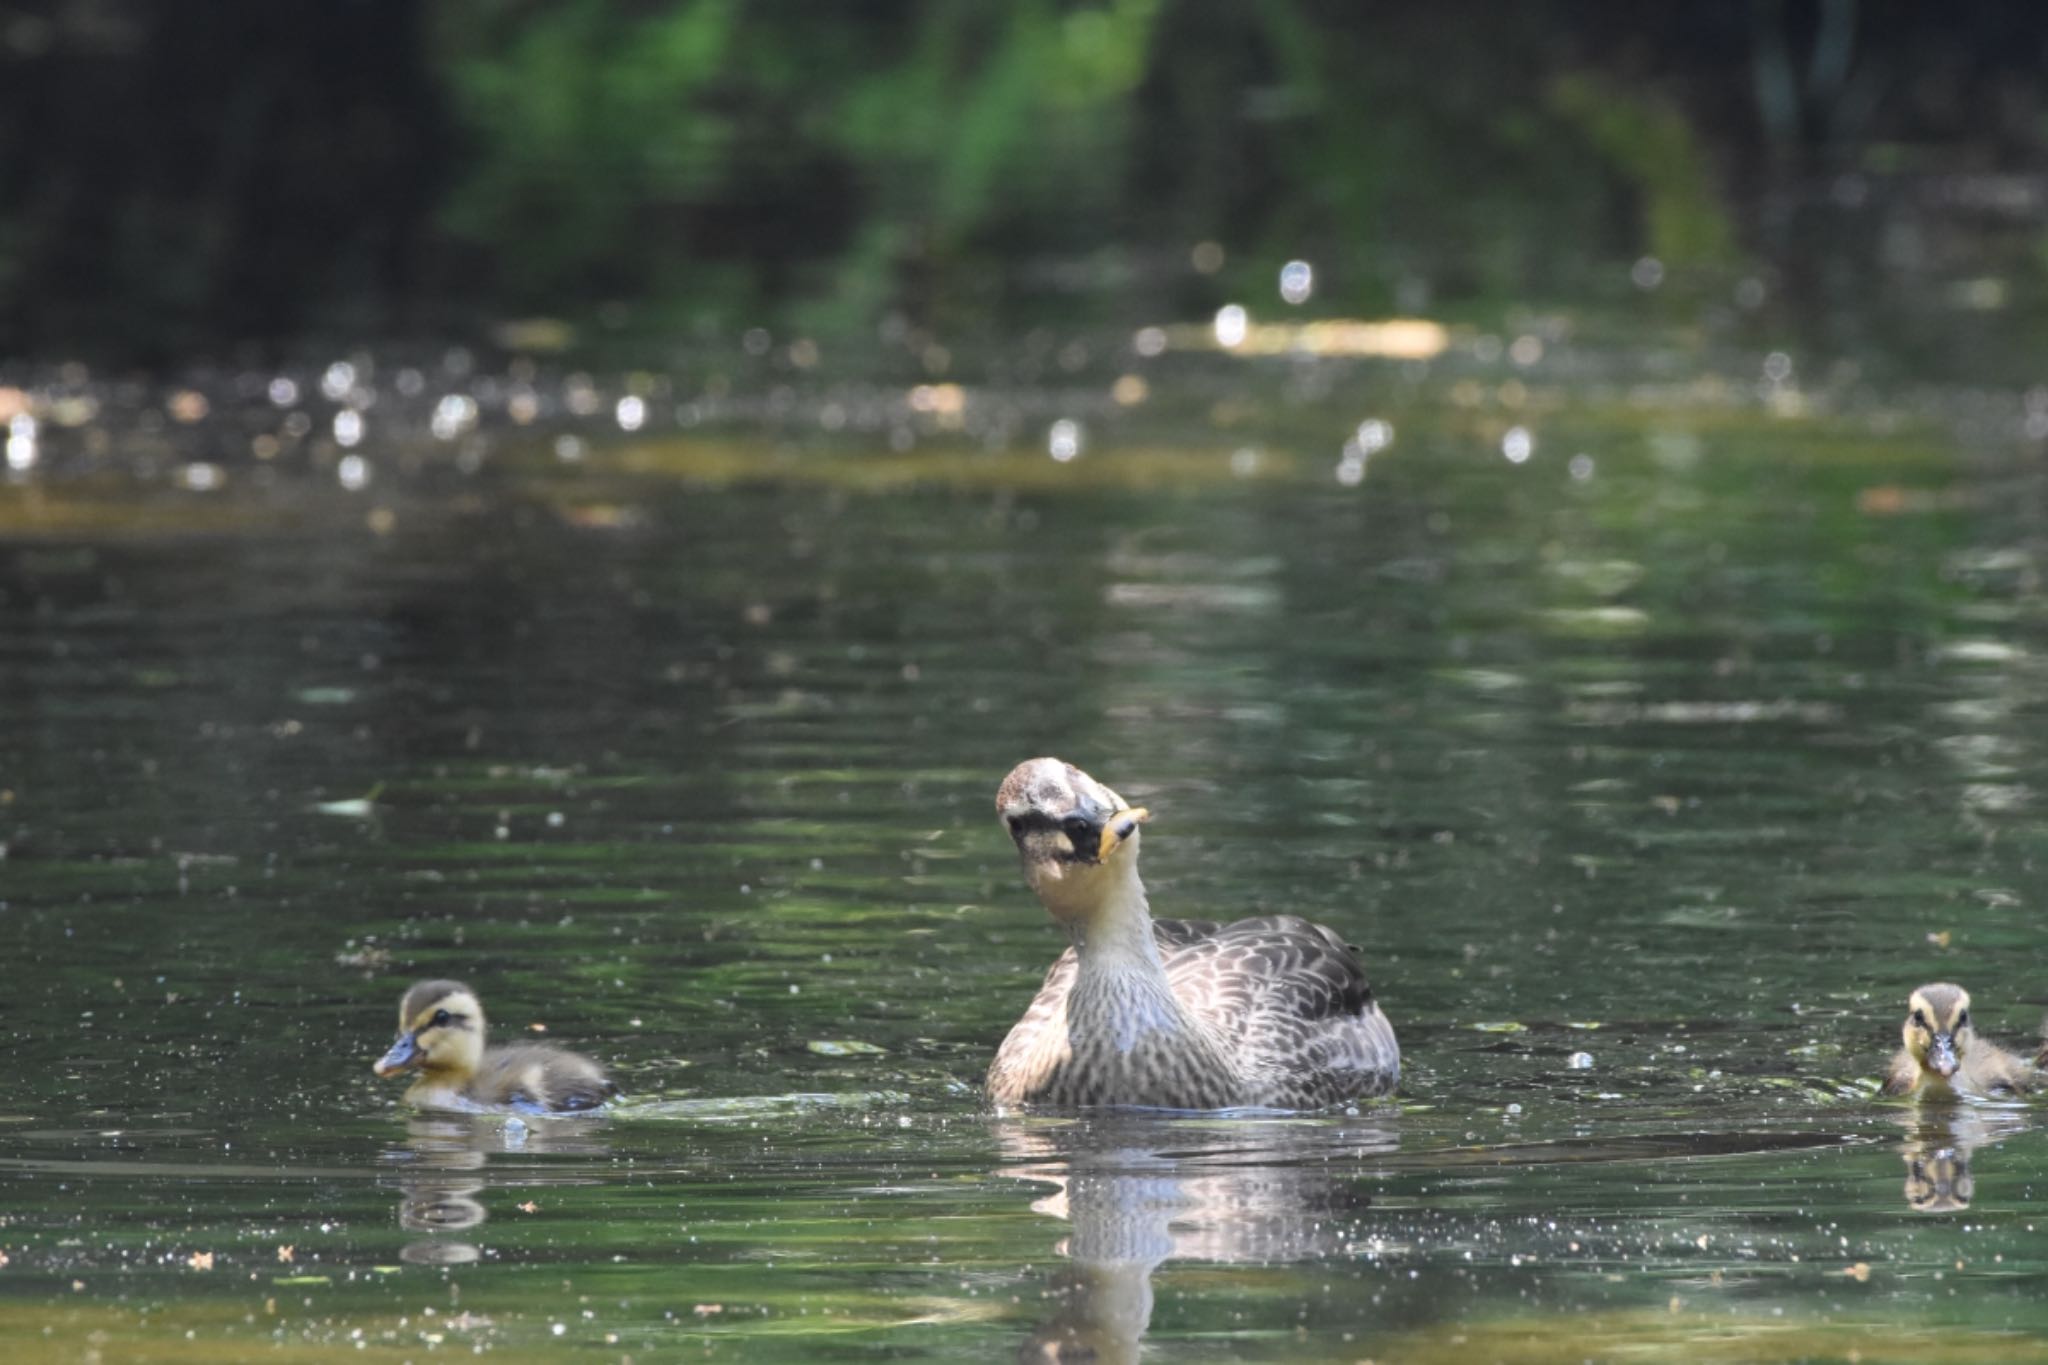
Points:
(1650, 770)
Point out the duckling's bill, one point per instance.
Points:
(1120, 827)
(1941, 1055)
(403, 1056)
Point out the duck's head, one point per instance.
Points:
(1937, 1030)
(440, 1029)
(1075, 835)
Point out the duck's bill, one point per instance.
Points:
(1941, 1058)
(404, 1053)
(1120, 827)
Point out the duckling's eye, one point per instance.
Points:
(1919, 1019)
(1077, 830)
(440, 1018)
(1963, 1019)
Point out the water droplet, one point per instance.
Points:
(338, 379)
(1581, 466)
(579, 395)
(453, 415)
(1063, 442)
(1297, 281)
(21, 442)
(1518, 445)
(1149, 341)
(1580, 1061)
(200, 477)
(354, 472)
(284, 391)
(1374, 435)
(348, 426)
(1647, 273)
(1232, 323)
(631, 412)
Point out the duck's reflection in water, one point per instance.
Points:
(1939, 1145)
(1137, 1191)
(443, 1168)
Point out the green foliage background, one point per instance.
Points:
(174, 179)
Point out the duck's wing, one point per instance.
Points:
(1902, 1074)
(1037, 1041)
(1234, 973)
(2012, 1072)
(1290, 1000)
(544, 1077)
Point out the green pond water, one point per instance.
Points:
(1651, 772)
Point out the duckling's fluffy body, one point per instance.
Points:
(441, 1035)
(1273, 1012)
(1944, 1060)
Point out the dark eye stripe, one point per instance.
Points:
(1033, 820)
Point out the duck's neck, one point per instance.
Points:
(1115, 936)
(1121, 997)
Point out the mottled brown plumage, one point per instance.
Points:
(1272, 1012)
(441, 1035)
(1943, 1058)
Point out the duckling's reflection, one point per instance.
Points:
(1138, 1191)
(1938, 1148)
(441, 1171)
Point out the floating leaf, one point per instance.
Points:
(843, 1047)
(355, 808)
(325, 696)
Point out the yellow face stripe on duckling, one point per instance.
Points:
(440, 1029)
(1937, 1029)
(1120, 827)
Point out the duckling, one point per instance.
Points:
(1944, 1059)
(441, 1034)
(1273, 1012)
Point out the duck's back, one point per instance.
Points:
(1285, 999)
(541, 1076)
(1289, 1000)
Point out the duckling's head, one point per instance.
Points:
(440, 1030)
(1076, 836)
(1937, 1030)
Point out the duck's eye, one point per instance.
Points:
(1077, 830)
(1919, 1019)
(1963, 1019)
(441, 1018)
